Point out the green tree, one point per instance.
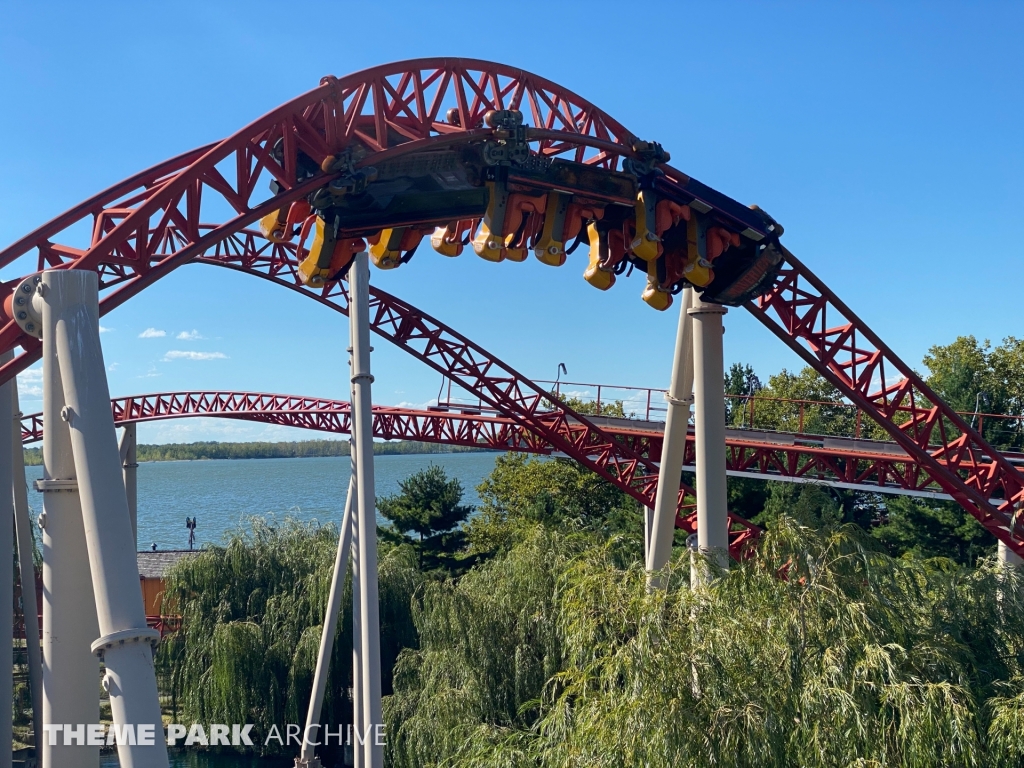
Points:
(828, 415)
(740, 379)
(933, 529)
(252, 613)
(590, 407)
(961, 374)
(1007, 361)
(818, 506)
(747, 496)
(819, 651)
(430, 506)
(973, 376)
(523, 491)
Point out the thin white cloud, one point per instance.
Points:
(180, 354)
(152, 333)
(105, 330)
(30, 382)
(419, 406)
(112, 367)
(192, 335)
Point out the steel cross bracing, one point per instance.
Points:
(148, 225)
(394, 109)
(485, 377)
(862, 464)
(145, 227)
(812, 320)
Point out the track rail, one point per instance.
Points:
(142, 229)
(319, 414)
(394, 110)
(861, 464)
(818, 326)
(483, 375)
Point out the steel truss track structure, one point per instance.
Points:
(147, 226)
(822, 330)
(864, 465)
(486, 377)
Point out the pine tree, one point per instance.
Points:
(425, 515)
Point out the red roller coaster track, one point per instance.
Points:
(152, 223)
(854, 463)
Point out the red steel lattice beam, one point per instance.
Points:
(868, 465)
(394, 109)
(149, 225)
(319, 414)
(812, 321)
(484, 375)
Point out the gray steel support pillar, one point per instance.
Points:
(70, 670)
(709, 432)
(27, 570)
(130, 465)
(362, 429)
(7, 570)
(330, 628)
(679, 397)
(126, 644)
(1008, 557)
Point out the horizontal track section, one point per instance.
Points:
(858, 465)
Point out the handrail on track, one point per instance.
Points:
(646, 403)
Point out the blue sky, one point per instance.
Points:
(888, 139)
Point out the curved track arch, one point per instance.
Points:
(395, 109)
(152, 223)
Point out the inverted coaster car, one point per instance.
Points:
(492, 192)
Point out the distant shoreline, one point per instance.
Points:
(301, 449)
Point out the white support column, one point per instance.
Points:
(709, 431)
(1008, 557)
(130, 465)
(7, 569)
(1009, 561)
(71, 310)
(648, 530)
(357, 630)
(679, 397)
(362, 428)
(27, 570)
(330, 628)
(70, 670)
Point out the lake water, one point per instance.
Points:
(220, 493)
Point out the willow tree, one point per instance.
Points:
(820, 650)
(251, 621)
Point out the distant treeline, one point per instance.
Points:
(263, 450)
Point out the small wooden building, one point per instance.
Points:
(153, 567)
